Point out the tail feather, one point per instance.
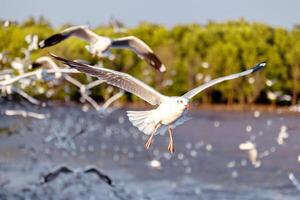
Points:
(143, 127)
(137, 118)
(138, 113)
(137, 122)
(145, 121)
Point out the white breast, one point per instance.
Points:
(102, 44)
(169, 112)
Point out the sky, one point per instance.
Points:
(167, 12)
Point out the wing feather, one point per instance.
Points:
(140, 48)
(200, 88)
(120, 80)
(78, 31)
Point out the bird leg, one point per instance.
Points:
(150, 139)
(171, 146)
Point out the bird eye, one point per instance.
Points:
(181, 101)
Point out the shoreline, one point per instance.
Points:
(196, 106)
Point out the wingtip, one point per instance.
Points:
(41, 44)
(66, 61)
(35, 65)
(42, 181)
(259, 66)
(52, 40)
(162, 68)
(56, 57)
(53, 55)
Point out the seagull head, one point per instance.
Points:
(100, 47)
(182, 102)
(97, 52)
(93, 50)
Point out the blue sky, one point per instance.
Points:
(167, 12)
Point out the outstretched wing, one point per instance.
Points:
(78, 31)
(118, 79)
(198, 89)
(54, 173)
(94, 170)
(140, 48)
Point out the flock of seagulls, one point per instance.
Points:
(169, 112)
(84, 89)
(46, 70)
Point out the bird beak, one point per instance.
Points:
(187, 106)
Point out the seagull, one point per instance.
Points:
(44, 61)
(252, 152)
(100, 45)
(170, 110)
(63, 169)
(84, 90)
(117, 25)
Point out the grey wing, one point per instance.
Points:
(120, 80)
(84, 33)
(78, 31)
(200, 88)
(140, 48)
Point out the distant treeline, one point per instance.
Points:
(192, 53)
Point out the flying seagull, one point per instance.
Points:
(63, 169)
(44, 61)
(170, 111)
(48, 63)
(100, 45)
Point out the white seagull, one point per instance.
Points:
(169, 112)
(48, 63)
(100, 45)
